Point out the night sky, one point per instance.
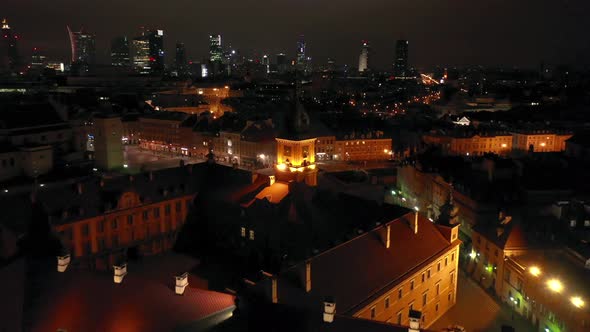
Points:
(451, 32)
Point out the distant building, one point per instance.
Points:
(120, 52)
(470, 143)
(532, 140)
(364, 57)
(148, 52)
(301, 59)
(266, 63)
(83, 51)
(9, 56)
(38, 60)
(180, 60)
(282, 63)
(400, 66)
(108, 146)
(141, 55)
(215, 48)
(157, 58)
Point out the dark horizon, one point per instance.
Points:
(524, 33)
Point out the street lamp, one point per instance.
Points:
(535, 271)
(577, 301)
(555, 285)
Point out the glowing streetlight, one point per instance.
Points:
(535, 271)
(472, 254)
(555, 285)
(416, 208)
(577, 301)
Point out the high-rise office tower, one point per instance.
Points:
(83, 51)
(215, 50)
(215, 54)
(120, 53)
(400, 67)
(300, 61)
(364, 57)
(38, 60)
(9, 57)
(282, 63)
(180, 62)
(141, 54)
(156, 39)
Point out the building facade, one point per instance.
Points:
(539, 141)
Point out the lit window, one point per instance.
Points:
(251, 235)
(243, 231)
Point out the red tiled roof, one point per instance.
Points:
(85, 301)
(359, 269)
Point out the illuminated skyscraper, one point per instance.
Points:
(120, 52)
(156, 39)
(364, 57)
(141, 55)
(9, 58)
(148, 52)
(301, 59)
(400, 67)
(215, 51)
(83, 47)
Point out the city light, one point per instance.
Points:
(472, 254)
(577, 301)
(281, 167)
(535, 271)
(125, 165)
(416, 208)
(555, 285)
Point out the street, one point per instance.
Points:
(478, 312)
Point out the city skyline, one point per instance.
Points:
(449, 34)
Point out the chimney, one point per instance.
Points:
(62, 263)
(415, 223)
(275, 290)
(329, 310)
(120, 272)
(386, 236)
(80, 188)
(181, 283)
(308, 276)
(414, 317)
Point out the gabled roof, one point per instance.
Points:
(376, 268)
